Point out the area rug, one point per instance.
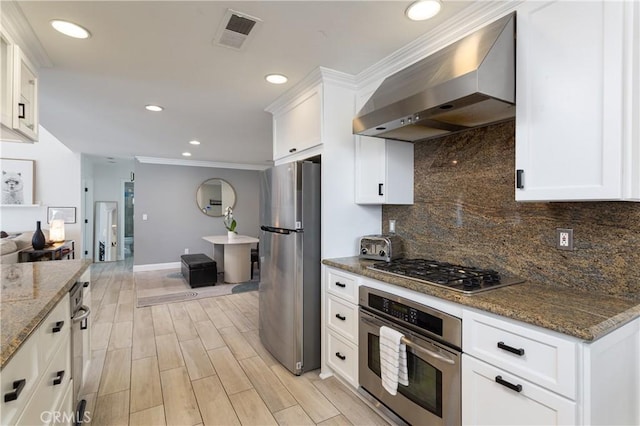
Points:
(169, 286)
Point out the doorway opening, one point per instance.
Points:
(128, 220)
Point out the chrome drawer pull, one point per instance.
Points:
(517, 351)
(517, 388)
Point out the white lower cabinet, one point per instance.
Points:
(36, 380)
(340, 325)
(492, 396)
(43, 408)
(514, 373)
(342, 358)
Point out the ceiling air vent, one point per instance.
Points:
(236, 29)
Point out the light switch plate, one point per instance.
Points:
(564, 239)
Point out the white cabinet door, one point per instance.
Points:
(384, 171)
(299, 126)
(491, 396)
(569, 100)
(25, 95)
(370, 170)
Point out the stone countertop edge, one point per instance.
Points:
(583, 315)
(8, 350)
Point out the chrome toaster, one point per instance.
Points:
(381, 247)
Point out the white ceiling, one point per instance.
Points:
(161, 52)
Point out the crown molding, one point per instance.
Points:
(198, 163)
(315, 77)
(468, 20)
(19, 29)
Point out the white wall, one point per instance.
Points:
(57, 184)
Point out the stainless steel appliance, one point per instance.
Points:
(470, 83)
(289, 289)
(79, 324)
(381, 247)
(465, 279)
(433, 340)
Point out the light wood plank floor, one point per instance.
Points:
(198, 362)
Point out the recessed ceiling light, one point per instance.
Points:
(154, 108)
(194, 142)
(276, 78)
(423, 9)
(186, 154)
(70, 29)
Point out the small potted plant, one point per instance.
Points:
(230, 223)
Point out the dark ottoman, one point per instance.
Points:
(199, 270)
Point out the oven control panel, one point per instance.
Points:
(405, 313)
(400, 311)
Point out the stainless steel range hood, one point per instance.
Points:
(470, 83)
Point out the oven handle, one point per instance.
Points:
(87, 311)
(413, 345)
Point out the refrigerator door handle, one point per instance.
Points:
(276, 230)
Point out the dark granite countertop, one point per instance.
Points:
(29, 292)
(580, 314)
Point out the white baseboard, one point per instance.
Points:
(156, 266)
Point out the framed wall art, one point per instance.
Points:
(68, 214)
(17, 181)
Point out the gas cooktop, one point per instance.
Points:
(464, 279)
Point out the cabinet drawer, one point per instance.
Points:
(343, 318)
(55, 329)
(23, 366)
(488, 399)
(51, 389)
(542, 358)
(342, 285)
(342, 358)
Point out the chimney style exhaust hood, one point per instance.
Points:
(470, 83)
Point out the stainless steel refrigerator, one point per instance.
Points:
(290, 264)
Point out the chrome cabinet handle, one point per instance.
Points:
(18, 385)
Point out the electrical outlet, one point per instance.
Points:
(392, 226)
(564, 239)
(186, 251)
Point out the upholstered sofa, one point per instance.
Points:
(11, 246)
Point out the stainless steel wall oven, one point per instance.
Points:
(433, 340)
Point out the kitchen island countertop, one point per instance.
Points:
(29, 292)
(585, 315)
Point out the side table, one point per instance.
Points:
(55, 251)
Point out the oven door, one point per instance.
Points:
(433, 394)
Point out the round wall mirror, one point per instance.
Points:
(214, 196)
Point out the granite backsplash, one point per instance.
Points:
(465, 212)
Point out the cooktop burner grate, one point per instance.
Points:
(456, 277)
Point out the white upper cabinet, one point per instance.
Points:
(577, 109)
(384, 171)
(298, 126)
(19, 96)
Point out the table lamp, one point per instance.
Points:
(56, 230)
